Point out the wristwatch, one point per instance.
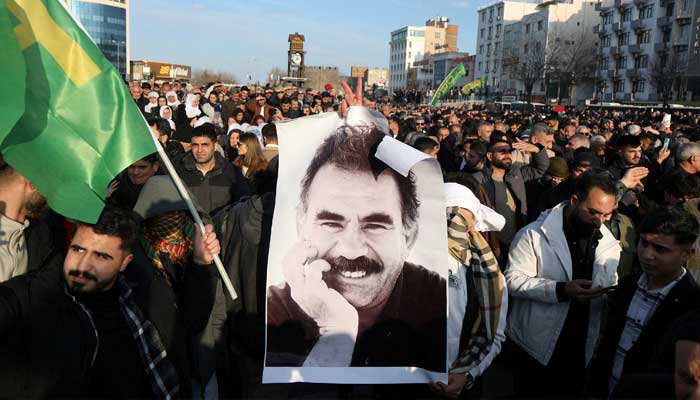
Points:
(470, 381)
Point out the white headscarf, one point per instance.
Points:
(170, 120)
(175, 103)
(151, 103)
(485, 219)
(191, 112)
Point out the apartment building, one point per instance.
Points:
(411, 47)
(637, 41)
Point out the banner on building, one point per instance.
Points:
(471, 86)
(357, 267)
(450, 80)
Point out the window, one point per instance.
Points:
(608, 19)
(638, 86)
(525, 49)
(488, 66)
(627, 14)
(482, 32)
(483, 15)
(538, 46)
(620, 85)
(623, 39)
(605, 41)
(667, 36)
(669, 9)
(490, 31)
(490, 14)
(498, 29)
(642, 61)
(409, 54)
(500, 11)
(646, 12)
(644, 37)
(604, 63)
(437, 35)
(497, 47)
(481, 49)
(621, 62)
(527, 28)
(480, 66)
(410, 44)
(488, 49)
(539, 25)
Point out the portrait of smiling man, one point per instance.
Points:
(350, 298)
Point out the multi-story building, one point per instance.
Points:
(411, 46)
(643, 42)
(107, 22)
(489, 36)
(358, 72)
(160, 71)
(559, 34)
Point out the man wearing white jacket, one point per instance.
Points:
(560, 267)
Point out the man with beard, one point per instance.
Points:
(505, 183)
(82, 327)
(25, 238)
(350, 297)
(559, 268)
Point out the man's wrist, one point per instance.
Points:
(470, 381)
(561, 292)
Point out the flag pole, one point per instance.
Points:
(195, 214)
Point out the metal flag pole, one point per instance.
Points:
(195, 215)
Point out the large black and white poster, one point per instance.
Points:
(356, 288)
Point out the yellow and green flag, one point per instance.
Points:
(67, 120)
(450, 80)
(471, 85)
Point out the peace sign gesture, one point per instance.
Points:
(352, 98)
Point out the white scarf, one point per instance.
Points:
(175, 103)
(191, 112)
(170, 120)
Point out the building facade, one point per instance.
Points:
(648, 49)
(358, 71)
(443, 63)
(107, 22)
(318, 77)
(410, 50)
(377, 76)
(489, 37)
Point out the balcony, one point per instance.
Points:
(632, 73)
(681, 42)
(617, 26)
(661, 47)
(614, 51)
(601, 7)
(640, 3)
(612, 73)
(634, 48)
(683, 17)
(619, 3)
(637, 24)
(664, 22)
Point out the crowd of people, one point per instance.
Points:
(573, 243)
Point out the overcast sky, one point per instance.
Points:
(251, 37)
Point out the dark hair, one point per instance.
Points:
(163, 127)
(269, 131)
(595, 178)
(627, 141)
(424, 143)
(116, 222)
(674, 222)
(207, 130)
(684, 184)
(151, 158)
(351, 148)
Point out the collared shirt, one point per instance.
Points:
(640, 311)
(14, 259)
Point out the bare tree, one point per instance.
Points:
(275, 75)
(571, 59)
(530, 66)
(665, 73)
(205, 75)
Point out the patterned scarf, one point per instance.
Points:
(471, 249)
(169, 234)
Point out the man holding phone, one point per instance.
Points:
(557, 271)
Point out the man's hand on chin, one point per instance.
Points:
(336, 318)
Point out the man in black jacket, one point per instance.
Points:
(88, 329)
(211, 178)
(644, 305)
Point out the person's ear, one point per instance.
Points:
(573, 200)
(126, 262)
(686, 253)
(411, 234)
(489, 156)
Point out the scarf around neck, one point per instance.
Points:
(170, 235)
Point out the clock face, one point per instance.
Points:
(296, 58)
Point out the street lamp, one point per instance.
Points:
(118, 43)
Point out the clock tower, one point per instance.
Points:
(295, 56)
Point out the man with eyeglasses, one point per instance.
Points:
(559, 268)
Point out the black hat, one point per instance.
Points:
(245, 88)
(326, 94)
